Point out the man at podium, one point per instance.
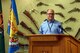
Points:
(50, 25)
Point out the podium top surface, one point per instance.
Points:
(36, 35)
(52, 35)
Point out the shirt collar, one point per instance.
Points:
(51, 21)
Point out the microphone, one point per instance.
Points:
(63, 29)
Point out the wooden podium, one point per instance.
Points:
(53, 44)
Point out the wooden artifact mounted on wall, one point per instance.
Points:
(34, 11)
(76, 1)
(41, 3)
(60, 5)
(60, 14)
(78, 33)
(68, 29)
(74, 10)
(43, 12)
(31, 18)
(71, 19)
(26, 27)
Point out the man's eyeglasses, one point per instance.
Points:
(50, 13)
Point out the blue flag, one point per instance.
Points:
(13, 28)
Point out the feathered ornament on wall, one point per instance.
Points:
(60, 14)
(74, 10)
(42, 4)
(71, 19)
(60, 5)
(43, 12)
(76, 1)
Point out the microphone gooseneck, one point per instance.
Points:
(63, 29)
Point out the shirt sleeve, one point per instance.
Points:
(40, 30)
(60, 29)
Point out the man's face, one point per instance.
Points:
(50, 14)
